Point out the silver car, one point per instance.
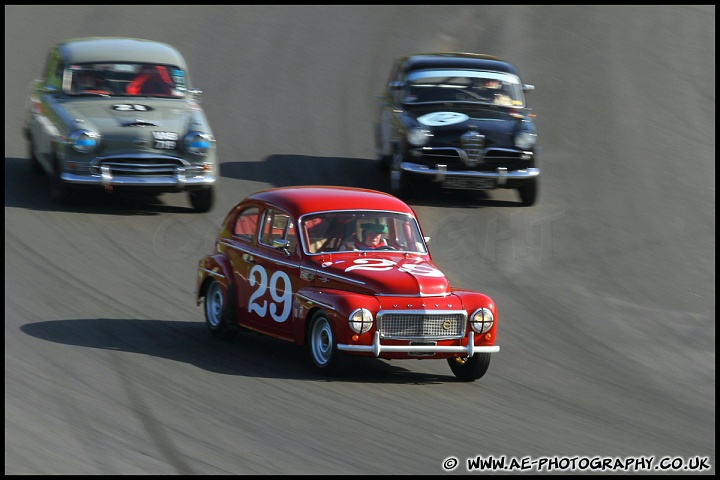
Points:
(120, 114)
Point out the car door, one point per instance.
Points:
(237, 245)
(45, 122)
(272, 276)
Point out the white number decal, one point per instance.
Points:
(262, 286)
(282, 295)
(421, 270)
(123, 107)
(378, 264)
(438, 119)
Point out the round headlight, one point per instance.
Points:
(525, 140)
(360, 320)
(482, 320)
(198, 143)
(418, 136)
(84, 141)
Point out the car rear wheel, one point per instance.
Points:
(323, 346)
(219, 311)
(469, 369)
(528, 193)
(202, 200)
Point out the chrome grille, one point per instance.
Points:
(147, 167)
(472, 142)
(422, 325)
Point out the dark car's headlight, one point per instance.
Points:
(85, 141)
(418, 136)
(525, 140)
(198, 143)
(360, 320)
(482, 320)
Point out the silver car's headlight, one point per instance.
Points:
(198, 143)
(482, 320)
(525, 140)
(361, 320)
(85, 141)
(418, 136)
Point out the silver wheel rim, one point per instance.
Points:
(213, 305)
(321, 341)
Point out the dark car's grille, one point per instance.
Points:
(472, 143)
(145, 167)
(421, 325)
(487, 160)
(470, 149)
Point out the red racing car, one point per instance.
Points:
(345, 272)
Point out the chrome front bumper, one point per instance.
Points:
(179, 180)
(501, 175)
(376, 348)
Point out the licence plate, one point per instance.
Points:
(468, 183)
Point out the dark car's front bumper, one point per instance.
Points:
(472, 168)
(500, 177)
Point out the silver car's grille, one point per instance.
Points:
(421, 325)
(473, 143)
(146, 167)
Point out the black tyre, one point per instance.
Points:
(322, 345)
(400, 183)
(37, 167)
(469, 369)
(60, 191)
(202, 200)
(528, 193)
(219, 311)
(384, 162)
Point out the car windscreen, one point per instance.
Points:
(495, 88)
(125, 79)
(340, 231)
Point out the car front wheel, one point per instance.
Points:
(469, 369)
(219, 312)
(31, 153)
(323, 346)
(60, 191)
(202, 200)
(528, 193)
(399, 182)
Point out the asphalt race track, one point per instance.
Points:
(605, 288)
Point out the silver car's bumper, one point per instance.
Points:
(501, 175)
(141, 170)
(178, 181)
(376, 348)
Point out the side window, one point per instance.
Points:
(291, 237)
(397, 75)
(246, 223)
(276, 225)
(53, 73)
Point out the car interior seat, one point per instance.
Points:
(151, 81)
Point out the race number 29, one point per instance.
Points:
(282, 297)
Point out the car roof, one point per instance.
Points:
(119, 49)
(473, 61)
(302, 200)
